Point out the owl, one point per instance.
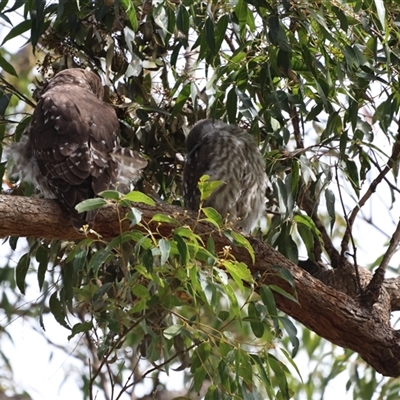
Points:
(70, 151)
(229, 154)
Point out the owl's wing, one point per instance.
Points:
(73, 134)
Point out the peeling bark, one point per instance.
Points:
(324, 307)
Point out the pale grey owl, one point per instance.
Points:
(229, 154)
(70, 150)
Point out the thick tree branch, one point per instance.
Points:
(327, 311)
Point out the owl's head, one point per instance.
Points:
(87, 80)
(201, 131)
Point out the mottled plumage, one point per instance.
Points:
(70, 150)
(226, 153)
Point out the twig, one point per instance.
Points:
(12, 89)
(391, 185)
(229, 42)
(354, 255)
(372, 188)
(159, 366)
(294, 115)
(394, 242)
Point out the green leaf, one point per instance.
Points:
(330, 206)
(99, 258)
(80, 258)
(261, 368)
(131, 12)
(148, 260)
(4, 102)
(165, 248)
(256, 326)
(90, 204)
(243, 366)
(200, 356)
(209, 31)
(199, 378)
(207, 187)
(110, 194)
(182, 20)
(188, 233)
(241, 10)
(234, 304)
(58, 310)
(42, 259)
(182, 248)
(280, 375)
(292, 332)
(352, 173)
(67, 291)
(308, 238)
(268, 299)
(17, 30)
(286, 275)
(231, 105)
(165, 219)
(341, 16)
(308, 223)
(212, 216)
(282, 292)
(141, 292)
(181, 99)
(21, 270)
(239, 272)
(240, 240)
(80, 328)
(287, 246)
(172, 331)
(101, 293)
(212, 393)
(6, 66)
(220, 31)
(134, 215)
(139, 197)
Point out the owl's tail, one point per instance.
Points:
(130, 163)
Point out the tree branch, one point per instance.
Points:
(372, 188)
(325, 310)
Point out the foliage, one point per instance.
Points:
(315, 83)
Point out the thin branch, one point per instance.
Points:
(159, 366)
(374, 288)
(372, 188)
(294, 116)
(354, 255)
(309, 207)
(390, 184)
(229, 41)
(394, 242)
(12, 89)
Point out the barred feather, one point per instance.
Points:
(229, 154)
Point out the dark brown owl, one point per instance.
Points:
(70, 150)
(229, 154)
